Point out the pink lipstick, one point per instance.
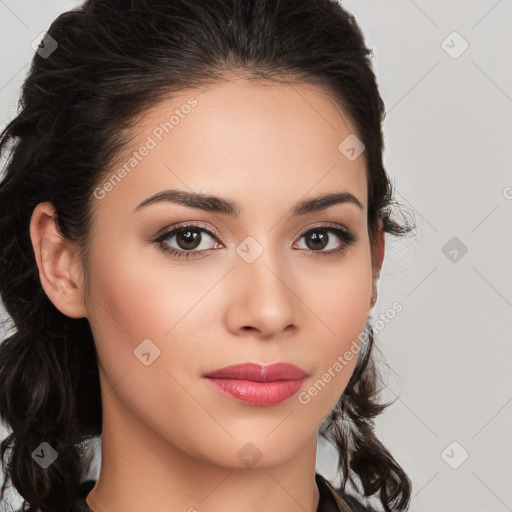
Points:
(256, 384)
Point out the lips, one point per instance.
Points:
(256, 384)
(259, 373)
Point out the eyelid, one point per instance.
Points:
(188, 224)
(325, 226)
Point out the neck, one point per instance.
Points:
(141, 470)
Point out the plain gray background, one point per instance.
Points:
(448, 151)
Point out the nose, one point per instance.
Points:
(261, 299)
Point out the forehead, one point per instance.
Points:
(241, 139)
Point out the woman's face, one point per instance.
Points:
(235, 288)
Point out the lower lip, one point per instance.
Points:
(257, 393)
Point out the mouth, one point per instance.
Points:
(256, 384)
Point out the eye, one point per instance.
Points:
(190, 239)
(193, 239)
(321, 237)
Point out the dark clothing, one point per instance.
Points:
(330, 500)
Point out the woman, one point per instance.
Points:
(192, 229)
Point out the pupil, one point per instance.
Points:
(318, 237)
(190, 238)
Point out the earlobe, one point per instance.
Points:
(56, 263)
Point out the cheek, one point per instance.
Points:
(342, 299)
(342, 306)
(136, 297)
(134, 311)
(347, 309)
(137, 294)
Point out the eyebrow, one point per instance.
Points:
(219, 205)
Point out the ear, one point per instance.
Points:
(378, 249)
(56, 262)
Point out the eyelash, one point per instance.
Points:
(347, 237)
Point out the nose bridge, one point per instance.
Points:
(262, 280)
(260, 264)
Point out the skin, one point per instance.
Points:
(170, 442)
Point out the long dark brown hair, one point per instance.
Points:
(111, 61)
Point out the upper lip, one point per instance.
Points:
(258, 372)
